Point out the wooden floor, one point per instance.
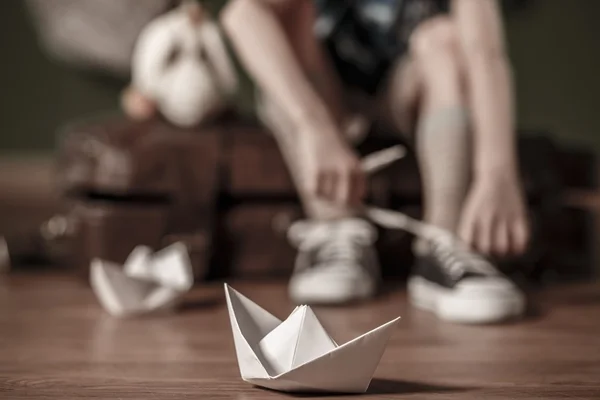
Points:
(55, 342)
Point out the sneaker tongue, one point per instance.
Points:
(358, 228)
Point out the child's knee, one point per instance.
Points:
(434, 37)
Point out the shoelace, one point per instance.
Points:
(333, 243)
(452, 253)
(340, 248)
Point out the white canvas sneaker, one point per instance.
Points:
(336, 261)
(459, 285)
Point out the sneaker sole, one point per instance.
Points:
(473, 309)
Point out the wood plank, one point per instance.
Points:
(55, 342)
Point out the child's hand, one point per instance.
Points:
(494, 219)
(331, 169)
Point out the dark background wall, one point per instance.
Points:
(554, 46)
(37, 95)
(555, 49)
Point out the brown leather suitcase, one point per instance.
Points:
(110, 230)
(127, 183)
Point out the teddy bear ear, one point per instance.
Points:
(136, 105)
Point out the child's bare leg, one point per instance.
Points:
(336, 261)
(449, 279)
(430, 81)
(283, 131)
(443, 141)
(494, 218)
(315, 64)
(486, 208)
(257, 30)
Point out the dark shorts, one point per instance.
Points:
(364, 38)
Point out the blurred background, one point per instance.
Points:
(554, 49)
(553, 45)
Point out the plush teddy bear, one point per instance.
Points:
(181, 68)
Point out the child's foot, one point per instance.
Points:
(461, 286)
(336, 261)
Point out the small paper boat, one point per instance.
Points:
(146, 283)
(298, 355)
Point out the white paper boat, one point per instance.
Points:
(146, 283)
(298, 355)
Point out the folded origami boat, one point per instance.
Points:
(145, 284)
(298, 355)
